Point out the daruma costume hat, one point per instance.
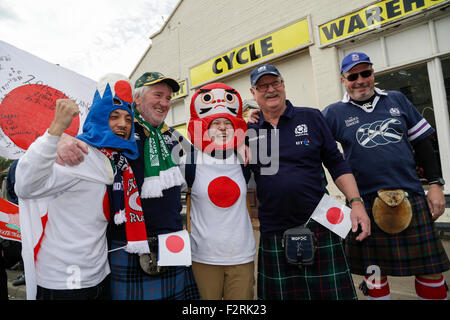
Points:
(113, 92)
(216, 100)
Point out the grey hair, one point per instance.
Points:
(138, 92)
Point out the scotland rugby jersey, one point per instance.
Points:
(377, 141)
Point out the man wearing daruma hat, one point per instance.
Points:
(222, 241)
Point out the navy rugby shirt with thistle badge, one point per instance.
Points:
(377, 138)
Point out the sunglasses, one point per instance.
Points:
(354, 76)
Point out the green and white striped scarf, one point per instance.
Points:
(160, 171)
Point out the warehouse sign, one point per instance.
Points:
(285, 40)
(182, 92)
(371, 17)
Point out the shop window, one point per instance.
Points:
(446, 72)
(414, 83)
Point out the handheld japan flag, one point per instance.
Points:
(333, 215)
(174, 249)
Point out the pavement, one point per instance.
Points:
(15, 293)
(402, 288)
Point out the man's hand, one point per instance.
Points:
(253, 116)
(65, 111)
(70, 151)
(358, 216)
(436, 201)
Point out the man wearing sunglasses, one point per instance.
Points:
(380, 131)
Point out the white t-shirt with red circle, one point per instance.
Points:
(221, 230)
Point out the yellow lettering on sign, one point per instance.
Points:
(280, 41)
(371, 17)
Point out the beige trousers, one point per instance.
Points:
(235, 282)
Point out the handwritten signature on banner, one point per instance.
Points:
(29, 88)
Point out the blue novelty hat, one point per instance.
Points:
(352, 59)
(262, 70)
(111, 94)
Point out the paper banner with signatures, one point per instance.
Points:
(29, 87)
(9, 221)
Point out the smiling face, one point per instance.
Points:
(270, 94)
(120, 122)
(362, 88)
(154, 104)
(221, 131)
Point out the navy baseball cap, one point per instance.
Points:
(352, 59)
(262, 70)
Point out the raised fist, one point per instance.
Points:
(65, 111)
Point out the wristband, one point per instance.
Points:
(355, 199)
(438, 181)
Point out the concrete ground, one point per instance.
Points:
(402, 288)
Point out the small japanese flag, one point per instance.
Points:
(333, 215)
(174, 249)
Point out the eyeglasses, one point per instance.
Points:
(354, 76)
(265, 86)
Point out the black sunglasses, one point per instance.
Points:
(354, 76)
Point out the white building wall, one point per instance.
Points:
(199, 30)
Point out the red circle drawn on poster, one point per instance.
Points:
(27, 111)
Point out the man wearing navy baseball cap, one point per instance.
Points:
(288, 196)
(262, 70)
(379, 130)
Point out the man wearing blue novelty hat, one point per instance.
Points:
(64, 211)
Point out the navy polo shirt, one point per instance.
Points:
(287, 165)
(377, 141)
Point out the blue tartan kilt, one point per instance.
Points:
(417, 250)
(130, 282)
(328, 279)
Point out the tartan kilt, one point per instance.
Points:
(415, 251)
(130, 282)
(329, 278)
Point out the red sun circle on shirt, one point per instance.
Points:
(223, 192)
(335, 215)
(174, 244)
(27, 111)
